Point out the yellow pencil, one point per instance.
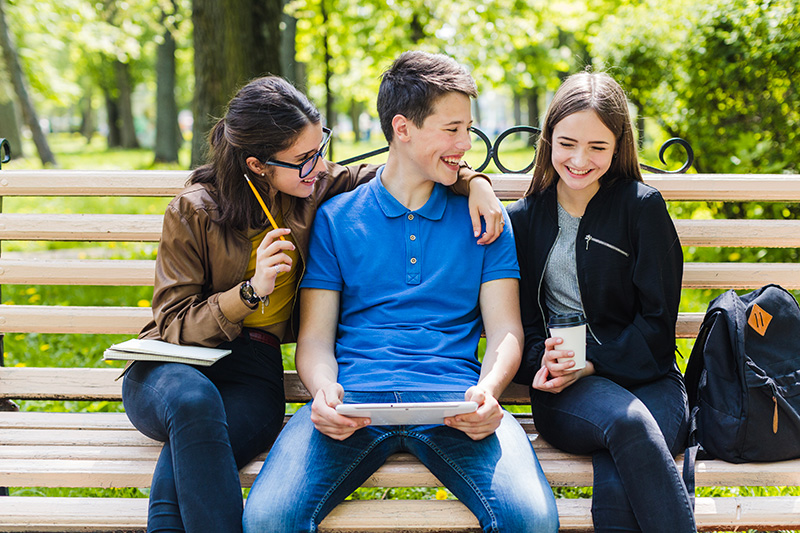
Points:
(263, 205)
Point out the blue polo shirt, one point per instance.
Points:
(409, 317)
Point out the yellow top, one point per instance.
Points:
(280, 301)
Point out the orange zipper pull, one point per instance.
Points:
(775, 416)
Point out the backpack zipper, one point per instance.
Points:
(775, 415)
(604, 243)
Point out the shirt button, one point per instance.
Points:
(413, 260)
(413, 237)
(410, 217)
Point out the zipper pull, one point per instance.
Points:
(775, 416)
(588, 238)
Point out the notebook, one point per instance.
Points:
(153, 350)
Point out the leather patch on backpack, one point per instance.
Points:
(759, 320)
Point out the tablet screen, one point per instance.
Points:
(411, 413)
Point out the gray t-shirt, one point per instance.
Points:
(561, 292)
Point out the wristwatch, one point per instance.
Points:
(249, 296)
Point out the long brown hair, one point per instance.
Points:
(265, 117)
(596, 91)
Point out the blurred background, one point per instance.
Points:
(137, 83)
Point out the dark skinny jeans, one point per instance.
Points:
(213, 421)
(632, 435)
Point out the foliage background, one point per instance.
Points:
(722, 74)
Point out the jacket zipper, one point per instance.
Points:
(589, 238)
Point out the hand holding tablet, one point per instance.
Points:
(404, 414)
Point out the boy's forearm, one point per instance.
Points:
(315, 368)
(315, 359)
(500, 363)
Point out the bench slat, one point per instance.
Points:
(59, 182)
(28, 464)
(131, 320)
(744, 233)
(43, 271)
(740, 275)
(73, 319)
(684, 187)
(89, 227)
(125, 272)
(37, 383)
(20, 514)
(80, 227)
(108, 451)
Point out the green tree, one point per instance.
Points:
(9, 120)
(20, 84)
(168, 134)
(722, 76)
(234, 41)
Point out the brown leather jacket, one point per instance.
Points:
(200, 262)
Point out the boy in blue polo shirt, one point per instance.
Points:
(393, 301)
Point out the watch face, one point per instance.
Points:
(248, 294)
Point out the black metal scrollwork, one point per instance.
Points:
(686, 165)
(5, 152)
(493, 152)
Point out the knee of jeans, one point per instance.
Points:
(268, 515)
(523, 512)
(201, 402)
(634, 425)
(544, 520)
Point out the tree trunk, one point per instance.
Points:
(288, 63)
(517, 110)
(640, 129)
(266, 53)
(112, 111)
(127, 128)
(9, 118)
(330, 114)
(88, 125)
(168, 134)
(9, 128)
(356, 108)
(20, 88)
(533, 114)
(228, 53)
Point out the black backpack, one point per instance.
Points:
(743, 377)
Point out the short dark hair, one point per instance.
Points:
(598, 92)
(265, 117)
(413, 84)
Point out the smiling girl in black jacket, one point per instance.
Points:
(593, 239)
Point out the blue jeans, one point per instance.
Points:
(307, 473)
(632, 435)
(212, 420)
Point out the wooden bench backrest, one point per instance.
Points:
(147, 228)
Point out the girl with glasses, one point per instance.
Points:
(227, 277)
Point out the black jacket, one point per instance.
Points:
(630, 266)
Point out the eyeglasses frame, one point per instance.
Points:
(299, 166)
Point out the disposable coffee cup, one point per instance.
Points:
(572, 329)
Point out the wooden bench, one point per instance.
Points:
(42, 449)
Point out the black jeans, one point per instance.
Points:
(213, 421)
(632, 434)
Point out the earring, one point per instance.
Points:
(263, 174)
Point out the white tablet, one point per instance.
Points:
(404, 414)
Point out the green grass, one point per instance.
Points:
(53, 350)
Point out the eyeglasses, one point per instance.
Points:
(305, 167)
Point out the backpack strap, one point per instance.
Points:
(690, 455)
(694, 368)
